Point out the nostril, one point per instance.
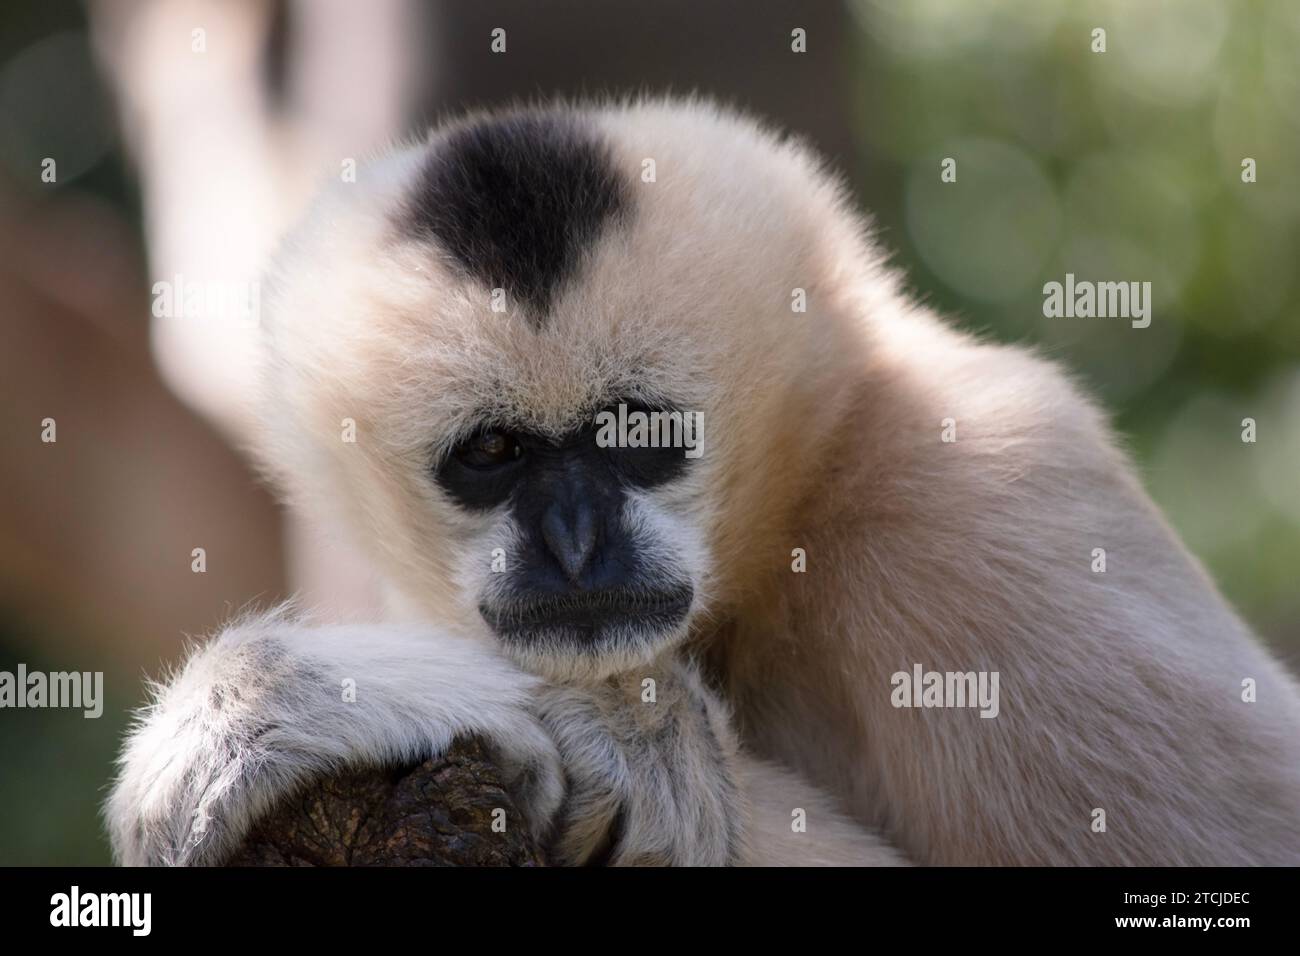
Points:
(570, 535)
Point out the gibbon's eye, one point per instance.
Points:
(489, 449)
(484, 469)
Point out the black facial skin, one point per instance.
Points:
(576, 575)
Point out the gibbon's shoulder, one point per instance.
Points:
(967, 414)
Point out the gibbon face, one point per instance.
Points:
(471, 305)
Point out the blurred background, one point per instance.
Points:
(187, 135)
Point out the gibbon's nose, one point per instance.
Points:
(570, 534)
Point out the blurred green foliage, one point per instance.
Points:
(1123, 165)
(55, 764)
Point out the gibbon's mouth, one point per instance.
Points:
(590, 616)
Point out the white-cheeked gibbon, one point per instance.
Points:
(474, 303)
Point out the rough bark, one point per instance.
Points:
(437, 813)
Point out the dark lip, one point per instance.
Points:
(590, 610)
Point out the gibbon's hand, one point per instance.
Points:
(271, 702)
(651, 771)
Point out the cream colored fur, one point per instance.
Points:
(1119, 691)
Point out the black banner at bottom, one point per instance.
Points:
(374, 905)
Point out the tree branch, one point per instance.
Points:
(438, 813)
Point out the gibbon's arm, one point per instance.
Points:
(661, 780)
(261, 709)
(602, 774)
(792, 823)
